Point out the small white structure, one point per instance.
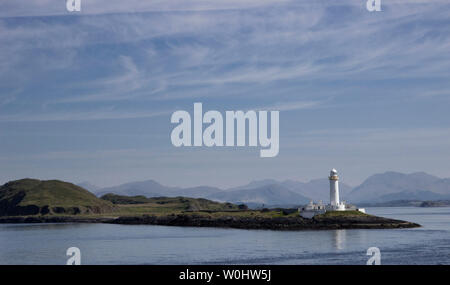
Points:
(312, 209)
(336, 204)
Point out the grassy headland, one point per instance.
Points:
(31, 200)
(34, 197)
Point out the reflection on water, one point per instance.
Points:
(145, 244)
(50, 226)
(339, 239)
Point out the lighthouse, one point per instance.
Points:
(334, 191)
(334, 187)
(336, 204)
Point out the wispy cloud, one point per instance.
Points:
(101, 114)
(294, 40)
(291, 106)
(21, 8)
(117, 87)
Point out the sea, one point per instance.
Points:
(162, 245)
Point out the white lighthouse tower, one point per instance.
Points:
(336, 204)
(334, 192)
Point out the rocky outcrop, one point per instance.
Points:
(279, 223)
(229, 221)
(29, 210)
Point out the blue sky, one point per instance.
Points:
(88, 96)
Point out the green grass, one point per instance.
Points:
(166, 205)
(51, 193)
(159, 206)
(120, 199)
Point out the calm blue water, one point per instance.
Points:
(144, 244)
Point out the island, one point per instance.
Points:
(54, 201)
(437, 203)
(410, 203)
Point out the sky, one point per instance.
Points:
(87, 96)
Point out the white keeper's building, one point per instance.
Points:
(336, 204)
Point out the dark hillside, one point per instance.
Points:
(33, 197)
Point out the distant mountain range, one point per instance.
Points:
(256, 193)
(391, 186)
(270, 194)
(378, 188)
(151, 188)
(316, 189)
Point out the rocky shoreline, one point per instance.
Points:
(54, 219)
(278, 223)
